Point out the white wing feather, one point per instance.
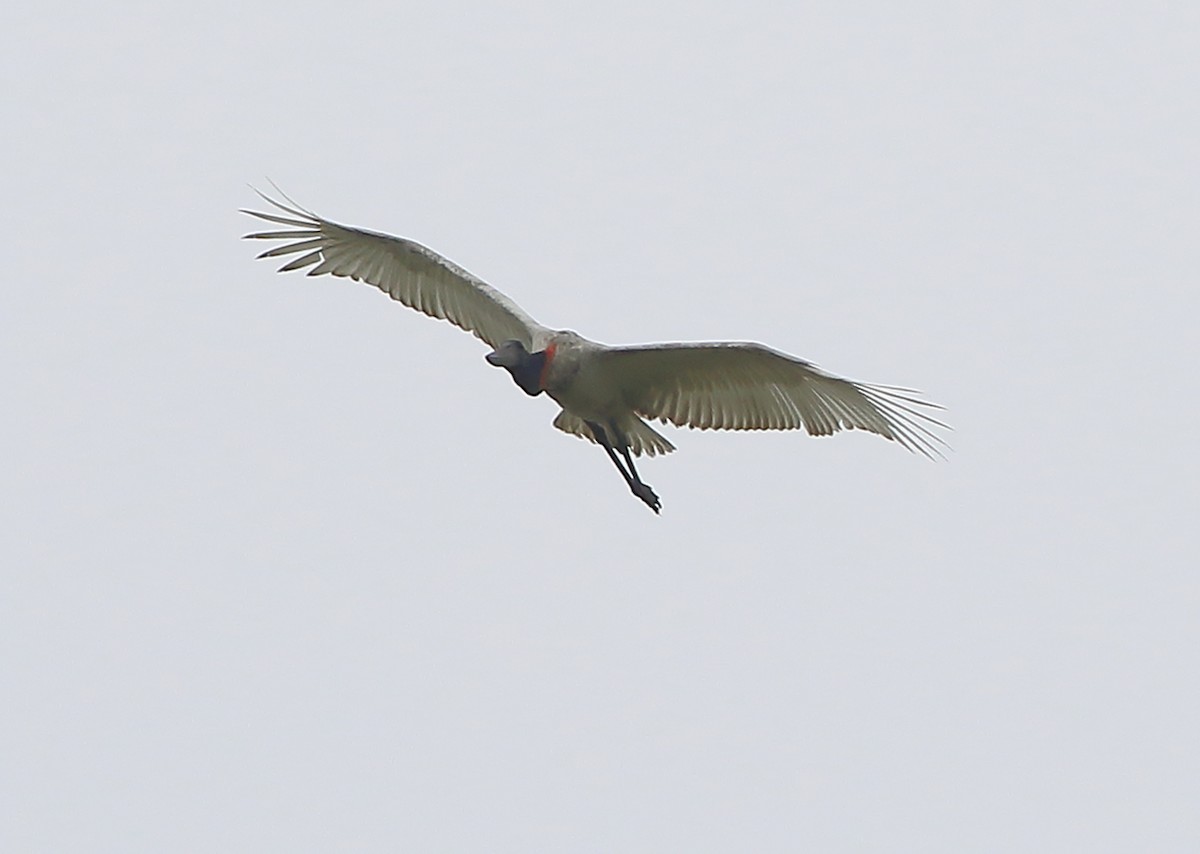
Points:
(735, 386)
(406, 271)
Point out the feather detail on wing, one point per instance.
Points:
(735, 386)
(404, 270)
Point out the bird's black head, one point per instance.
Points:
(525, 367)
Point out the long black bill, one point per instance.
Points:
(524, 367)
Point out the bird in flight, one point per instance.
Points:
(607, 394)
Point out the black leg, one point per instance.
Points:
(641, 490)
(629, 462)
(602, 438)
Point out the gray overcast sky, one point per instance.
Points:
(288, 567)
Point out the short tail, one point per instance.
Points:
(643, 439)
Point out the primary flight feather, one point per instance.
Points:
(607, 392)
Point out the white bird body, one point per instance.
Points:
(584, 384)
(606, 393)
(579, 381)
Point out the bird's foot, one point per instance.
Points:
(647, 495)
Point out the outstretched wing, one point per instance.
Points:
(733, 386)
(406, 271)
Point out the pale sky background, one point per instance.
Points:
(288, 567)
